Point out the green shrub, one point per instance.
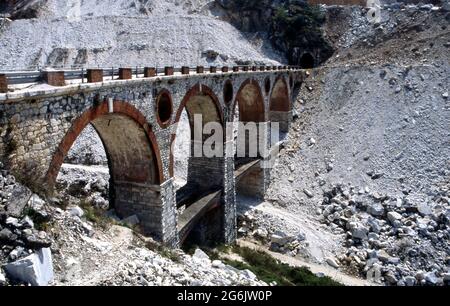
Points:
(269, 270)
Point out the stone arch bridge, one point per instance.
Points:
(135, 117)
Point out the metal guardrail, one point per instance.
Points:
(27, 77)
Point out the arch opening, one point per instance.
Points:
(197, 176)
(133, 163)
(280, 106)
(248, 114)
(307, 61)
(188, 167)
(164, 108)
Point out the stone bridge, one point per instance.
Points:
(135, 117)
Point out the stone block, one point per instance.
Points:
(35, 269)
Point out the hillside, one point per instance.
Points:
(125, 33)
(361, 187)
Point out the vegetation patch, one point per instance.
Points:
(96, 215)
(270, 269)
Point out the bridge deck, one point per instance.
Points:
(195, 211)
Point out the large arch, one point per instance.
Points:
(205, 175)
(133, 120)
(250, 102)
(249, 110)
(280, 104)
(200, 99)
(133, 158)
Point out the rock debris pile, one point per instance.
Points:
(389, 239)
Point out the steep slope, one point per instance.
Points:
(123, 33)
(366, 162)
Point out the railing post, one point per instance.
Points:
(225, 69)
(168, 70)
(53, 78)
(125, 74)
(185, 70)
(235, 68)
(94, 75)
(3, 83)
(200, 69)
(213, 69)
(149, 72)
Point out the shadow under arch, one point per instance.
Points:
(134, 162)
(280, 108)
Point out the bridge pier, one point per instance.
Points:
(154, 205)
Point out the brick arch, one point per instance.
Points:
(279, 97)
(196, 90)
(125, 113)
(250, 101)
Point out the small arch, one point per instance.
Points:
(267, 85)
(228, 92)
(307, 61)
(164, 108)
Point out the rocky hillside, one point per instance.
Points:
(361, 186)
(120, 33)
(66, 245)
(365, 172)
